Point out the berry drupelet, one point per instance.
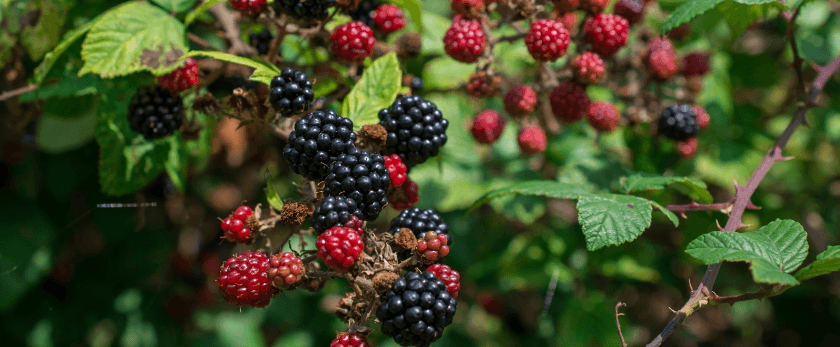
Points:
(416, 129)
(154, 112)
(318, 140)
(291, 92)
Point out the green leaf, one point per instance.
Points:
(764, 271)
(133, 37)
(377, 89)
(826, 262)
(127, 161)
(695, 189)
(175, 163)
(51, 57)
(60, 133)
(611, 219)
(782, 243)
(263, 70)
(413, 7)
(740, 16)
(199, 10)
(550, 189)
(670, 215)
(175, 5)
(69, 86)
(775, 3)
(37, 38)
(272, 196)
(686, 12)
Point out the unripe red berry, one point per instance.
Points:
(687, 148)
(588, 68)
(182, 78)
(632, 10)
(396, 169)
(339, 248)
(465, 41)
(569, 102)
(487, 126)
(703, 118)
(349, 340)
(607, 33)
(352, 42)
(532, 140)
(404, 196)
(564, 6)
(243, 280)
(450, 277)
(482, 85)
(248, 7)
(660, 59)
(603, 116)
(467, 8)
(695, 64)
(594, 6)
(547, 40)
(285, 270)
(520, 100)
(389, 18)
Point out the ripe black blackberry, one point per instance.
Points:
(306, 10)
(291, 92)
(318, 139)
(416, 129)
(334, 210)
(364, 12)
(154, 112)
(261, 41)
(415, 311)
(420, 221)
(678, 122)
(361, 176)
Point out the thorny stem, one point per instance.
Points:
(694, 206)
(761, 294)
(743, 193)
(618, 324)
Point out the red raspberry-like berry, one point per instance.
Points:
(660, 59)
(349, 340)
(450, 277)
(396, 169)
(243, 280)
(594, 6)
(482, 85)
(404, 196)
(389, 18)
(285, 270)
(491, 303)
(569, 102)
(695, 64)
(464, 41)
(487, 126)
(182, 78)
(607, 33)
(354, 223)
(467, 8)
(520, 100)
(588, 68)
(565, 6)
(234, 226)
(352, 42)
(433, 246)
(248, 7)
(603, 116)
(532, 140)
(703, 118)
(339, 248)
(631, 10)
(547, 40)
(687, 148)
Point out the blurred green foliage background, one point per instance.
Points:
(73, 274)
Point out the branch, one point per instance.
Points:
(227, 18)
(16, 92)
(724, 207)
(618, 324)
(761, 294)
(743, 194)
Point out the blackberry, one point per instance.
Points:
(362, 177)
(364, 12)
(261, 41)
(416, 85)
(416, 129)
(420, 221)
(334, 210)
(678, 122)
(291, 92)
(417, 308)
(318, 139)
(306, 10)
(154, 112)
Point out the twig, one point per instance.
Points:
(761, 294)
(201, 42)
(16, 92)
(618, 324)
(743, 194)
(227, 18)
(694, 206)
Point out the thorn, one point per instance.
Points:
(672, 310)
(731, 304)
(694, 204)
(718, 225)
(752, 207)
(682, 214)
(742, 226)
(785, 158)
(737, 187)
(689, 285)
